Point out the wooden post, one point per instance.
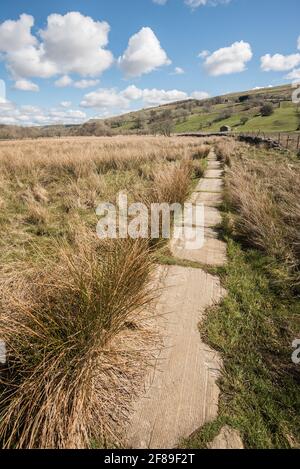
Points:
(279, 137)
(298, 142)
(287, 142)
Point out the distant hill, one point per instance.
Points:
(242, 112)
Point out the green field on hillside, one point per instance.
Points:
(284, 119)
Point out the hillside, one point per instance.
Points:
(241, 111)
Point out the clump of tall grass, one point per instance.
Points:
(202, 152)
(265, 194)
(226, 148)
(172, 184)
(64, 383)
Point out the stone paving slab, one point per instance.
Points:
(209, 199)
(213, 173)
(212, 253)
(202, 216)
(210, 185)
(212, 164)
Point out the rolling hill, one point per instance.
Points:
(240, 111)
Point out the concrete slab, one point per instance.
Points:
(202, 215)
(213, 173)
(209, 199)
(212, 164)
(210, 185)
(228, 438)
(212, 253)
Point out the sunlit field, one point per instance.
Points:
(74, 310)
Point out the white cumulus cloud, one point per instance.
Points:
(105, 98)
(132, 93)
(70, 43)
(63, 81)
(154, 97)
(204, 54)
(85, 83)
(34, 115)
(178, 71)
(294, 75)
(26, 85)
(279, 62)
(66, 104)
(229, 60)
(2, 92)
(200, 95)
(76, 43)
(143, 54)
(195, 3)
(112, 98)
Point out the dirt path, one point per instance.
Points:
(181, 393)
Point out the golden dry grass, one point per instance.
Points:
(74, 310)
(264, 189)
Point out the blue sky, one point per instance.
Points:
(67, 61)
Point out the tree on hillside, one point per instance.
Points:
(267, 110)
(163, 127)
(140, 122)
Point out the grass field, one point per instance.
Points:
(284, 119)
(74, 310)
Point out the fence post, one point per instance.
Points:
(287, 142)
(298, 142)
(279, 138)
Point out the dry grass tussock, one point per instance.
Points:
(226, 148)
(72, 353)
(266, 195)
(74, 311)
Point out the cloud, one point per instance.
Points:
(279, 63)
(71, 43)
(294, 75)
(132, 93)
(66, 104)
(85, 83)
(196, 3)
(26, 85)
(200, 95)
(229, 60)
(2, 92)
(143, 54)
(204, 54)
(111, 98)
(34, 115)
(156, 97)
(63, 81)
(16, 35)
(76, 43)
(105, 98)
(178, 71)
